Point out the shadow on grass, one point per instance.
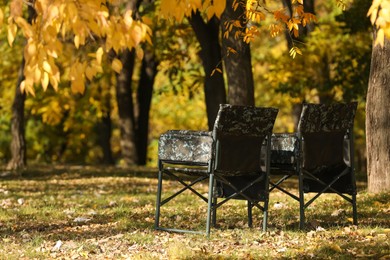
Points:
(45, 172)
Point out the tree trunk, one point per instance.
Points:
(238, 65)
(104, 128)
(124, 97)
(145, 90)
(18, 143)
(210, 54)
(125, 109)
(378, 119)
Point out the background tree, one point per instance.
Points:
(207, 34)
(378, 95)
(18, 142)
(236, 54)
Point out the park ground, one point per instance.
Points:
(108, 213)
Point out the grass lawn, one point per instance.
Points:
(108, 213)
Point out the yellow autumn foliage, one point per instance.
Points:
(81, 21)
(379, 14)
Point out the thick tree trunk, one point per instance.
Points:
(210, 54)
(145, 90)
(238, 65)
(125, 109)
(378, 119)
(18, 143)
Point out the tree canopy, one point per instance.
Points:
(80, 22)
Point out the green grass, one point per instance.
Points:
(115, 209)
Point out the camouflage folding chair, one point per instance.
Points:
(231, 151)
(313, 155)
(326, 163)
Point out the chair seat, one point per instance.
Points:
(186, 147)
(284, 151)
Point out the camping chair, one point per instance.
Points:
(230, 152)
(326, 163)
(320, 154)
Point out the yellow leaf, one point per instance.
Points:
(99, 55)
(380, 37)
(231, 50)
(127, 18)
(45, 81)
(77, 41)
(37, 74)
(116, 65)
(31, 49)
(78, 85)
(27, 87)
(216, 70)
(235, 6)
(210, 12)
(226, 34)
(1, 17)
(12, 29)
(25, 26)
(136, 35)
(54, 82)
(300, 1)
(46, 66)
(90, 72)
(219, 7)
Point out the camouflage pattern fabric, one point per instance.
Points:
(326, 117)
(244, 120)
(186, 146)
(284, 150)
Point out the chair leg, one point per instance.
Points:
(210, 206)
(214, 214)
(250, 222)
(158, 200)
(301, 203)
(265, 215)
(354, 209)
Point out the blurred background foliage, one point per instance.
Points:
(61, 126)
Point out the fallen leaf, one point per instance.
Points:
(57, 246)
(81, 220)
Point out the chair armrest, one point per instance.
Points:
(185, 146)
(284, 151)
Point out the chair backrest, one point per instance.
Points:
(323, 128)
(239, 132)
